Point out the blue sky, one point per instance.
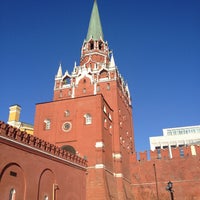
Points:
(156, 46)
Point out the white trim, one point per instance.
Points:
(99, 144)
(118, 175)
(99, 166)
(117, 155)
(15, 124)
(102, 166)
(15, 111)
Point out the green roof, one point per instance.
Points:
(95, 29)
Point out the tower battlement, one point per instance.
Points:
(164, 154)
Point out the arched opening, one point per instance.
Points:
(66, 80)
(47, 124)
(69, 149)
(104, 74)
(100, 45)
(91, 45)
(46, 181)
(88, 118)
(10, 176)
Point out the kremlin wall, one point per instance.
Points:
(32, 168)
(43, 169)
(82, 145)
(151, 175)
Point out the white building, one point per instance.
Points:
(176, 137)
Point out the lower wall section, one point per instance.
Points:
(24, 174)
(96, 188)
(150, 178)
(104, 185)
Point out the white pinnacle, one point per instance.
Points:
(59, 73)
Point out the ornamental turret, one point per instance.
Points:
(97, 67)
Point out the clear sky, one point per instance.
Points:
(156, 45)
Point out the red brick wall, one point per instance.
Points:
(33, 172)
(82, 137)
(183, 172)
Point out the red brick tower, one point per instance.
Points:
(91, 115)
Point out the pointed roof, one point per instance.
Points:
(59, 73)
(112, 61)
(95, 28)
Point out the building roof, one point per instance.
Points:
(95, 28)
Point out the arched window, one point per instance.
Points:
(110, 117)
(105, 123)
(66, 81)
(104, 74)
(110, 129)
(104, 109)
(88, 118)
(91, 45)
(46, 197)
(47, 123)
(69, 148)
(67, 113)
(12, 194)
(100, 45)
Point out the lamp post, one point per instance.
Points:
(170, 189)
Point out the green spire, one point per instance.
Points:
(95, 29)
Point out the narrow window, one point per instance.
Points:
(47, 124)
(88, 118)
(98, 88)
(105, 123)
(108, 86)
(67, 113)
(12, 194)
(46, 197)
(110, 129)
(100, 46)
(110, 117)
(104, 109)
(91, 45)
